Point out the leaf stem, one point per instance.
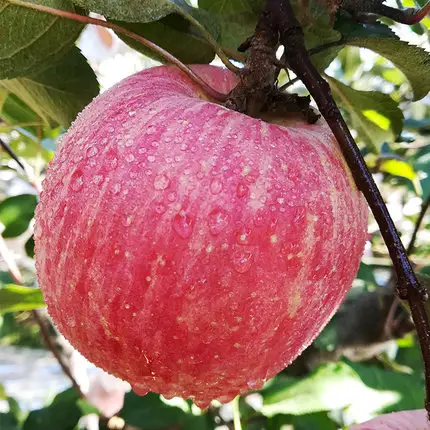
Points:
(211, 92)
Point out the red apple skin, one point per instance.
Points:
(189, 249)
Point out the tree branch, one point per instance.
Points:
(292, 37)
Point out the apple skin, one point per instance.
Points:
(189, 249)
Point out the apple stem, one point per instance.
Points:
(211, 92)
(278, 26)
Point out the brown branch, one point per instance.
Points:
(292, 37)
(424, 207)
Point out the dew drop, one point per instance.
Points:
(160, 208)
(172, 196)
(116, 188)
(91, 151)
(161, 182)
(98, 179)
(242, 261)
(242, 190)
(218, 220)
(216, 187)
(77, 180)
(183, 225)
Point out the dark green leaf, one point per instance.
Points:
(413, 61)
(350, 28)
(62, 415)
(176, 35)
(14, 298)
(365, 272)
(8, 422)
(133, 10)
(317, 421)
(237, 17)
(29, 247)
(16, 213)
(60, 92)
(151, 413)
(31, 41)
(374, 115)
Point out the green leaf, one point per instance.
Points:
(62, 415)
(133, 10)
(60, 92)
(176, 35)
(16, 112)
(350, 28)
(374, 115)
(3, 97)
(14, 298)
(317, 421)
(8, 422)
(408, 388)
(331, 386)
(16, 213)
(413, 61)
(396, 167)
(237, 17)
(152, 413)
(30, 41)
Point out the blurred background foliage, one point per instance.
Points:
(365, 362)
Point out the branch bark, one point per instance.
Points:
(408, 287)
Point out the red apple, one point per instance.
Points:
(189, 249)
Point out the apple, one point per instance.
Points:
(189, 249)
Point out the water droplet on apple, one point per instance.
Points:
(172, 196)
(242, 261)
(242, 190)
(151, 129)
(161, 182)
(116, 188)
(183, 225)
(98, 179)
(77, 180)
(218, 220)
(216, 187)
(91, 151)
(160, 208)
